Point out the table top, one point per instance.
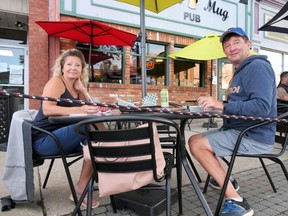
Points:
(77, 118)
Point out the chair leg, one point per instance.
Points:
(279, 161)
(78, 204)
(168, 196)
(179, 182)
(268, 175)
(206, 184)
(90, 196)
(75, 160)
(189, 124)
(48, 173)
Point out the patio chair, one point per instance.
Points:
(67, 160)
(117, 150)
(20, 155)
(281, 137)
(39, 160)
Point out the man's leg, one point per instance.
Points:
(203, 153)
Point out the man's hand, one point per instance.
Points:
(209, 102)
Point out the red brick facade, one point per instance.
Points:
(38, 49)
(40, 62)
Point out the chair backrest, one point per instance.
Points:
(118, 149)
(281, 135)
(126, 159)
(167, 136)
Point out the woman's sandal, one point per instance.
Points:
(84, 203)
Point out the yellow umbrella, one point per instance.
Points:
(208, 48)
(154, 6)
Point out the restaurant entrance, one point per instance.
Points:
(12, 79)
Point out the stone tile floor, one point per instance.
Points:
(254, 186)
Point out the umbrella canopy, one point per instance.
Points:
(279, 23)
(208, 48)
(154, 6)
(96, 57)
(88, 31)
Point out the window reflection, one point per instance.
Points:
(227, 74)
(106, 63)
(188, 73)
(156, 59)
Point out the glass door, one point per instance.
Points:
(12, 67)
(225, 74)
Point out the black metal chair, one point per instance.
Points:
(39, 160)
(125, 151)
(281, 137)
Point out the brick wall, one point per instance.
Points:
(40, 74)
(38, 49)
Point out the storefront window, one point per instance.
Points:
(276, 61)
(188, 73)
(156, 60)
(106, 63)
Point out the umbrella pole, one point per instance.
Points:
(143, 48)
(90, 53)
(210, 123)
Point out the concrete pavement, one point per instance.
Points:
(54, 200)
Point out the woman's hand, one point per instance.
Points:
(94, 109)
(209, 102)
(79, 86)
(90, 109)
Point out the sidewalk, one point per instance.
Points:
(254, 186)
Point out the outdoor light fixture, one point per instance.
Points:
(243, 1)
(139, 36)
(20, 25)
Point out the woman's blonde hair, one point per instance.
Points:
(59, 63)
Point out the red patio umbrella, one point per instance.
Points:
(88, 31)
(96, 56)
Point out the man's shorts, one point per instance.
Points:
(223, 142)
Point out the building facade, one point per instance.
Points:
(116, 71)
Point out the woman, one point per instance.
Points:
(69, 81)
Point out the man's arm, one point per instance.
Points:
(282, 94)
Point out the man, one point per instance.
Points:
(282, 89)
(252, 91)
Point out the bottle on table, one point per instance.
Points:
(164, 96)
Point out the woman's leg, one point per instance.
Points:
(85, 176)
(69, 138)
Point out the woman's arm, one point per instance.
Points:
(55, 88)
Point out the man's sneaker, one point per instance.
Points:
(215, 185)
(234, 208)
